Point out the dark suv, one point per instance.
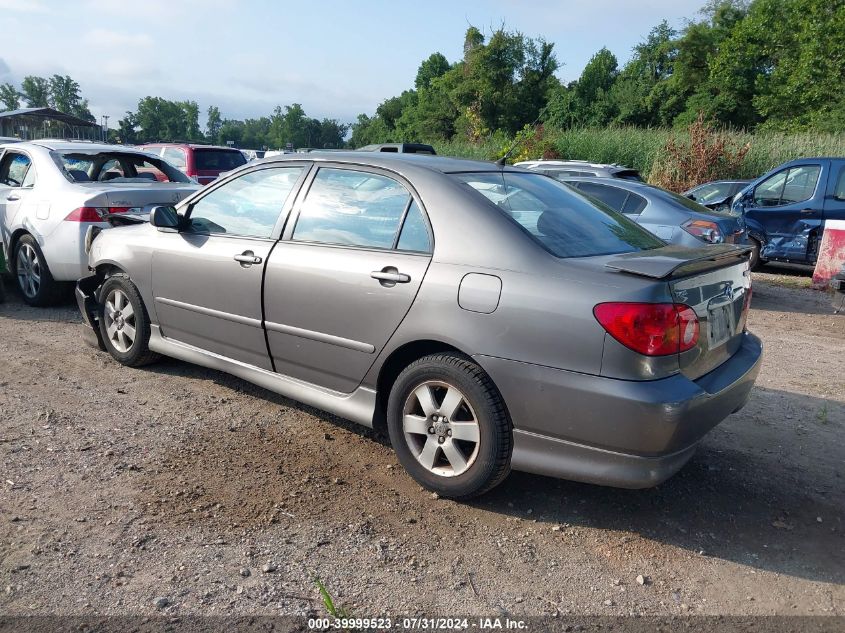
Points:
(204, 163)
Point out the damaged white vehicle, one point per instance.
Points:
(51, 192)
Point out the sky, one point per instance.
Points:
(336, 58)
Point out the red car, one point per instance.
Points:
(202, 162)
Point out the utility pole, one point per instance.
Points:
(106, 129)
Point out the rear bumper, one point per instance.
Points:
(617, 432)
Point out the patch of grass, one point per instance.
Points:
(334, 610)
(642, 148)
(821, 415)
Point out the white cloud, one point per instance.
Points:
(116, 39)
(23, 6)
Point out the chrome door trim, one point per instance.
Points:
(321, 337)
(358, 406)
(228, 316)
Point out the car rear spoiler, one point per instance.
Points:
(677, 261)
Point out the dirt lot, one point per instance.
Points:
(120, 487)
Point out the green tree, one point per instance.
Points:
(213, 125)
(36, 91)
(9, 97)
(435, 66)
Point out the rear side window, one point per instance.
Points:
(218, 159)
(562, 221)
(839, 191)
(611, 196)
(634, 205)
(248, 206)
(414, 235)
(176, 157)
(352, 208)
(15, 169)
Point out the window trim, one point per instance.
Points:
(285, 211)
(780, 197)
(293, 217)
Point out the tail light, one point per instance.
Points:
(704, 230)
(652, 329)
(95, 214)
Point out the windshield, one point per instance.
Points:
(116, 167)
(690, 205)
(218, 159)
(564, 222)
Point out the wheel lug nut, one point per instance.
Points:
(431, 430)
(449, 432)
(440, 440)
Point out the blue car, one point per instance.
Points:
(785, 209)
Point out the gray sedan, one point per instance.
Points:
(488, 318)
(671, 217)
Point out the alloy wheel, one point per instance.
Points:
(120, 321)
(28, 270)
(441, 428)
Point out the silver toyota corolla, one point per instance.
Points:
(490, 318)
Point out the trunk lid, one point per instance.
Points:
(137, 195)
(715, 281)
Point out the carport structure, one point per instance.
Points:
(34, 123)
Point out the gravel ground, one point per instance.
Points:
(179, 490)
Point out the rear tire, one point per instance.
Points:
(33, 276)
(449, 426)
(124, 322)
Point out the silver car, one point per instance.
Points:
(52, 191)
(489, 318)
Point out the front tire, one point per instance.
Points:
(754, 262)
(32, 274)
(124, 322)
(449, 426)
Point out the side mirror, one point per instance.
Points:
(164, 217)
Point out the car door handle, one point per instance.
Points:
(13, 197)
(807, 210)
(247, 258)
(390, 275)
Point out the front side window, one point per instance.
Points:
(248, 206)
(352, 208)
(14, 170)
(562, 221)
(795, 184)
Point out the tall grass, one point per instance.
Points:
(640, 148)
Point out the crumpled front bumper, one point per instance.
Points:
(89, 307)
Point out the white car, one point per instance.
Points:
(52, 191)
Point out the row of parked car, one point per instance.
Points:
(781, 215)
(487, 317)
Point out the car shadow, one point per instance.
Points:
(752, 494)
(769, 494)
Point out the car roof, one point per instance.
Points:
(192, 146)
(77, 146)
(612, 182)
(395, 160)
(542, 162)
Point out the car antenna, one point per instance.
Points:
(501, 161)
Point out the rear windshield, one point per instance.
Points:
(564, 222)
(218, 159)
(116, 167)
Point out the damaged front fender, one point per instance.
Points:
(796, 241)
